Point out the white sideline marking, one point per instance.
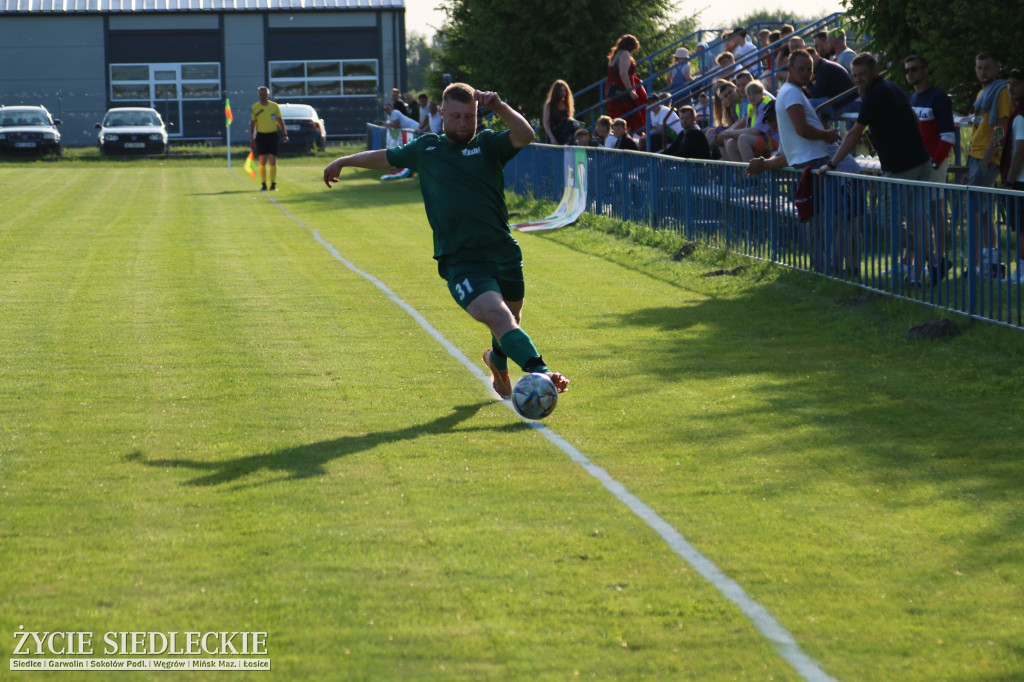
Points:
(772, 629)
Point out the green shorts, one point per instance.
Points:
(466, 281)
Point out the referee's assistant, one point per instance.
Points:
(263, 126)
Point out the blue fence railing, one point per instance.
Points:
(942, 245)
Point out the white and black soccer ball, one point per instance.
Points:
(534, 396)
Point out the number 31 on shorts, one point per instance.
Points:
(463, 289)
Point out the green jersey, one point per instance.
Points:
(463, 190)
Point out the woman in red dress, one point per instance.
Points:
(624, 91)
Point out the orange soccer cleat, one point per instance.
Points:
(499, 378)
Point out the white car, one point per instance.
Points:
(132, 130)
(28, 130)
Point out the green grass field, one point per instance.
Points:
(209, 423)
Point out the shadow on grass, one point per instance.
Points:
(309, 460)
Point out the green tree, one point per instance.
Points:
(948, 35)
(518, 49)
(417, 60)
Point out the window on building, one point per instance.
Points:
(324, 78)
(157, 82)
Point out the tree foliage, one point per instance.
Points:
(948, 35)
(417, 60)
(518, 49)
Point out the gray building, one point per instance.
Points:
(185, 57)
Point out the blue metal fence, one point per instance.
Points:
(942, 245)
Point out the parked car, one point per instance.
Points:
(132, 130)
(28, 130)
(305, 128)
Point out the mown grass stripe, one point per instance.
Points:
(765, 623)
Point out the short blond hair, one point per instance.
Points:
(458, 92)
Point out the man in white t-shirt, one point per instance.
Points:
(662, 121)
(801, 133)
(393, 118)
(741, 50)
(431, 122)
(1014, 178)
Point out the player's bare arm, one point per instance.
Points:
(520, 132)
(374, 160)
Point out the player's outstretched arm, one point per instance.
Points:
(376, 159)
(520, 132)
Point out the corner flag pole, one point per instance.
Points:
(228, 118)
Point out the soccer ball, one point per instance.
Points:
(534, 396)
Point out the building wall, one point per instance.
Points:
(57, 62)
(71, 54)
(245, 67)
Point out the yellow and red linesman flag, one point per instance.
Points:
(248, 164)
(227, 112)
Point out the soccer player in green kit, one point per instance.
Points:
(462, 181)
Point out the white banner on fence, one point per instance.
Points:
(574, 198)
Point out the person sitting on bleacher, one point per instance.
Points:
(843, 54)
(691, 143)
(662, 121)
(603, 132)
(741, 49)
(620, 133)
(726, 65)
(830, 80)
(681, 73)
(822, 45)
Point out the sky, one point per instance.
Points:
(420, 15)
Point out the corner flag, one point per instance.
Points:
(227, 113)
(248, 164)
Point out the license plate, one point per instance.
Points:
(293, 128)
(24, 145)
(134, 145)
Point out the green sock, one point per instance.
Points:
(517, 345)
(498, 356)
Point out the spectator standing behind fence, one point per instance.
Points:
(397, 103)
(557, 117)
(934, 111)
(845, 210)
(624, 90)
(1013, 148)
(884, 108)
(691, 143)
(432, 121)
(991, 112)
(801, 134)
(393, 118)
